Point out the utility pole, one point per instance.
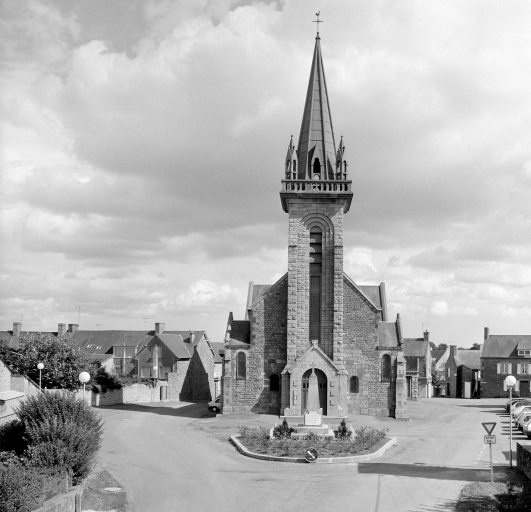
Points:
(98, 326)
(78, 314)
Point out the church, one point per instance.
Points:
(315, 317)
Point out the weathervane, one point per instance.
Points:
(317, 21)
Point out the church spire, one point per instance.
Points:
(316, 150)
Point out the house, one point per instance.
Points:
(438, 368)
(315, 320)
(463, 373)
(185, 359)
(503, 355)
(417, 352)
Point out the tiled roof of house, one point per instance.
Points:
(387, 336)
(101, 357)
(504, 345)
(102, 342)
(437, 354)
(416, 347)
(219, 349)
(174, 343)
(373, 293)
(468, 358)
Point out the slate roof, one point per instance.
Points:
(505, 345)
(240, 332)
(469, 358)
(175, 344)
(101, 342)
(387, 336)
(101, 357)
(219, 349)
(437, 354)
(416, 347)
(373, 293)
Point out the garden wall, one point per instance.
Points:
(523, 459)
(134, 393)
(68, 502)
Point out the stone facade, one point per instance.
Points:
(315, 318)
(198, 384)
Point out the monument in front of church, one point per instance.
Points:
(315, 322)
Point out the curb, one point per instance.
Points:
(325, 460)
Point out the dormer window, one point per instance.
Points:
(524, 353)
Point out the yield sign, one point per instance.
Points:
(489, 427)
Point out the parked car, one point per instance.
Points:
(523, 412)
(526, 429)
(215, 405)
(517, 402)
(516, 412)
(523, 418)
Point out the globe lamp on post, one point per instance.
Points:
(40, 366)
(84, 377)
(510, 381)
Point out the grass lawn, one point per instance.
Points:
(366, 440)
(495, 497)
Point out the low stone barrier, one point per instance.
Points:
(321, 460)
(68, 502)
(523, 459)
(132, 394)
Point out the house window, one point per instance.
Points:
(354, 385)
(273, 382)
(505, 368)
(525, 353)
(386, 367)
(241, 366)
(448, 372)
(523, 368)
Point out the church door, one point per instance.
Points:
(321, 384)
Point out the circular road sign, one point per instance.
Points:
(311, 455)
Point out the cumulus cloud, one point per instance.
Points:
(142, 160)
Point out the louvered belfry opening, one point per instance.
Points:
(316, 271)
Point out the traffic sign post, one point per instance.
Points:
(311, 455)
(490, 440)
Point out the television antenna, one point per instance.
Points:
(145, 320)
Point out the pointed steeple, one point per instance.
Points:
(316, 151)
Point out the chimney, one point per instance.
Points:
(453, 349)
(486, 334)
(73, 327)
(192, 335)
(426, 336)
(17, 329)
(159, 328)
(61, 330)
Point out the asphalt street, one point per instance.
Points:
(176, 457)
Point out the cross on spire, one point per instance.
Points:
(317, 21)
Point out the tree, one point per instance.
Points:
(475, 346)
(63, 360)
(442, 346)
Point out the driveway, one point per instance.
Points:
(176, 457)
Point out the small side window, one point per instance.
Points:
(354, 385)
(241, 366)
(273, 382)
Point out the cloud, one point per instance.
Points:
(439, 308)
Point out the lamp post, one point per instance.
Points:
(40, 366)
(84, 377)
(510, 381)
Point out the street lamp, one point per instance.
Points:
(84, 377)
(510, 381)
(40, 366)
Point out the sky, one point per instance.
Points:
(143, 144)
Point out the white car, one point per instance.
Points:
(523, 418)
(215, 405)
(526, 428)
(516, 412)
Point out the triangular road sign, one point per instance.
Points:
(489, 427)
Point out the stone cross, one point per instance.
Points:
(312, 403)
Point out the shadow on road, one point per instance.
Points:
(198, 410)
(430, 472)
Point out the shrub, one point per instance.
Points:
(282, 431)
(11, 437)
(61, 431)
(23, 487)
(343, 432)
(106, 382)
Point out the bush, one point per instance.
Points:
(11, 437)
(106, 382)
(23, 487)
(343, 432)
(61, 431)
(282, 431)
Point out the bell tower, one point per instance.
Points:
(316, 193)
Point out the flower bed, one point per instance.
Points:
(365, 440)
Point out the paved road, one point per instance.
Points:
(175, 457)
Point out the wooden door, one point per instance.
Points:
(524, 388)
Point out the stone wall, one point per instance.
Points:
(132, 394)
(492, 382)
(68, 502)
(265, 356)
(523, 459)
(362, 359)
(5, 377)
(176, 379)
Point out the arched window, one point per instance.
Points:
(273, 382)
(386, 367)
(241, 365)
(316, 168)
(316, 259)
(354, 385)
